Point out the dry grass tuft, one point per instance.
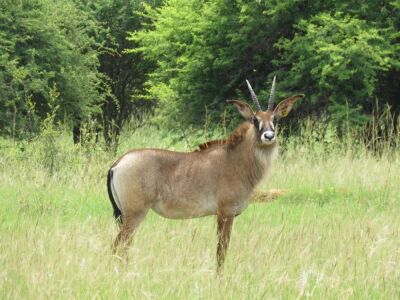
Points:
(267, 196)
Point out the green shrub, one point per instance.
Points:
(338, 60)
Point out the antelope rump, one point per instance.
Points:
(216, 179)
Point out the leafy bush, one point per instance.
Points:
(45, 43)
(338, 60)
(205, 50)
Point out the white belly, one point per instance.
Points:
(185, 208)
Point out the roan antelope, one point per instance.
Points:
(217, 179)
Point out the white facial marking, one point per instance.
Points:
(260, 123)
(272, 125)
(265, 139)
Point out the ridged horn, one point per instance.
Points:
(272, 95)
(253, 96)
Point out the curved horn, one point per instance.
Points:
(272, 95)
(253, 96)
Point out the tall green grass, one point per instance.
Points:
(334, 235)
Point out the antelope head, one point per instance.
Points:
(264, 121)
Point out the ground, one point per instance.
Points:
(333, 234)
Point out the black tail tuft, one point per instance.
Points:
(117, 212)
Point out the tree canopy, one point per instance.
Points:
(110, 60)
(48, 57)
(342, 56)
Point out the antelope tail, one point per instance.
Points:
(117, 211)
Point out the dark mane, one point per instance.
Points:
(232, 141)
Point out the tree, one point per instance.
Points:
(338, 59)
(46, 45)
(125, 73)
(204, 50)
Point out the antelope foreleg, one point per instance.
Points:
(224, 229)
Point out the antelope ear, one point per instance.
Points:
(285, 106)
(243, 108)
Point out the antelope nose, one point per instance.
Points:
(269, 135)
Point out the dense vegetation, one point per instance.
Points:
(342, 57)
(117, 74)
(102, 62)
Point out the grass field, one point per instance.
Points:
(334, 235)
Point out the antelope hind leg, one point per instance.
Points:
(130, 222)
